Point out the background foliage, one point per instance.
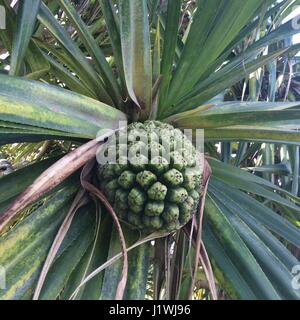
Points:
(71, 68)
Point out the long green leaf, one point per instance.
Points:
(24, 248)
(277, 271)
(219, 81)
(71, 81)
(36, 104)
(254, 184)
(73, 248)
(207, 40)
(139, 262)
(169, 45)
(238, 250)
(137, 269)
(226, 272)
(32, 54)
(136, 52)
(101, 64)
(27, 14)
(114, 34)
(253, 133)
(81, 65)
(256, 215)
(13, 184)
(203, 120)
(92, 290)
(240, 38)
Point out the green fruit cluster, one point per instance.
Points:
(155, 183)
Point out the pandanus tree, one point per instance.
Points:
(70, 72)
